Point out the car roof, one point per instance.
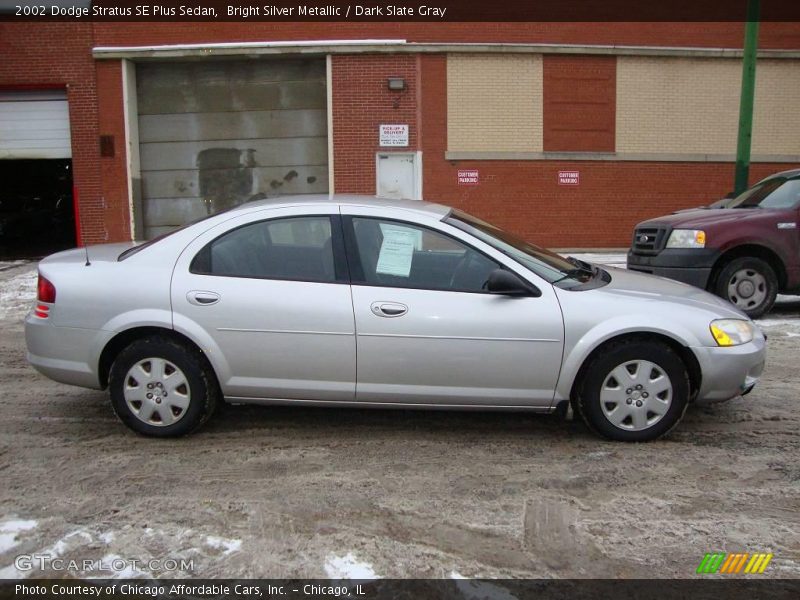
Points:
(419, 206)
(788, 174)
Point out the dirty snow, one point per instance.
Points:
(227, 546)
(348, 567)
(10, 529)
(17, 293)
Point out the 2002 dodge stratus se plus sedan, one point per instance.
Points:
(356, 301)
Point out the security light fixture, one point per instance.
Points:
(396, 84)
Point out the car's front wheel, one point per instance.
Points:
(161, 388)
(750, 284)
(634, 391)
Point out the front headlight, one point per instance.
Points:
(731, 332)
(687, 238)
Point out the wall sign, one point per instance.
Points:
(468, 177)
(569, 177)
(393, 135)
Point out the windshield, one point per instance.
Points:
(548, 265)
(777, 192)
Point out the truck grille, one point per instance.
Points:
(649, 240)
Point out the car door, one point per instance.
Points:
(267, 297)
(427, 330)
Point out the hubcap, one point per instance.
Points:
(636, 395)
(747, 289)
(157, 392)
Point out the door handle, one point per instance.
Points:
(388, 309)
(202, 298)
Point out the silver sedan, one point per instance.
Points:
(357, 301)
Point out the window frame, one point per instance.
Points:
(340, 262)
(356, 268)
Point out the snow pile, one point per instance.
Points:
(348, 567)
(17, 294)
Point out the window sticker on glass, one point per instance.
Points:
(417, 233)
(397, 252)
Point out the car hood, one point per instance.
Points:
(631, 285)
(699, 218)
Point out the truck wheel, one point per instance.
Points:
(161, 388)
(750, 284)
(634, 391)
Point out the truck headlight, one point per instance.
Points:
(687, 238)
(731, 332)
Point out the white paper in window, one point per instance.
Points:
(417, 233)
(397, 252)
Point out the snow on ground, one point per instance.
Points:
(18, 291)
(227, 546)
(348, 567)
(10, 530)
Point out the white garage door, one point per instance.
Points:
(215, 134)
(34, 125)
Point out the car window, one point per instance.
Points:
(398, 254)
(777, 192)
(553, 268)
(297, 248)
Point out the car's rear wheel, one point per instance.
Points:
(634, 391)
(161, 388)
(750, 284)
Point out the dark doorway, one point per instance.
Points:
(36, 211)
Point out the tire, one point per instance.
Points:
(185, 399)
(748, 283)
(610, 380)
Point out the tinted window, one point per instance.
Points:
(403, 255)
(297, 248)
(773, 193)
(548, 265)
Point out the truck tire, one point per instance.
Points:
(750, 284)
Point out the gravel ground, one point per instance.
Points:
(295, 492)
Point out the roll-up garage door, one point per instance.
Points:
(215, 134)
(34, 125)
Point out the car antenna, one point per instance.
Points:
(86, 250)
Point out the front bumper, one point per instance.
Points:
(688, 265)
(730, 372)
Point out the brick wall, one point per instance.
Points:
(362, 102)
(713, 35)
(524, 196)
(59, 54)
(521, 195)
(494, 102)
(580, 95)
(114, 172)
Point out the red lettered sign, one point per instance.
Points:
(468, 177)
(569, 177)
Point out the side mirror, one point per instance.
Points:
(507, 283)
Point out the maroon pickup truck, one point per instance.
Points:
(745, 249)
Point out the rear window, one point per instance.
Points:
(135, 249)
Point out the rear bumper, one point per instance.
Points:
(692, 266)
(730, 372)
(64, 354)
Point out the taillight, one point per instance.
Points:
(46, 290)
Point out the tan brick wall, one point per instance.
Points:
(494, 103)
(677, 105)
(691, 105)
(776, 122)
